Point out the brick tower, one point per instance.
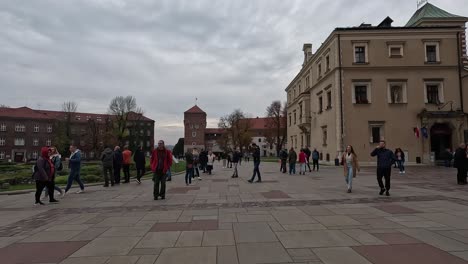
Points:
(194, 128)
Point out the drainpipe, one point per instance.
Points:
(341, 91)
(460, 71)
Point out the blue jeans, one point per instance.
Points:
(168, 175)
(349, 177)
(401, 165)
(74, 175)
(256, 171)
(188, 175)
(292, 168)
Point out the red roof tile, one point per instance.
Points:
(195, 109)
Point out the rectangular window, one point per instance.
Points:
(320, 70)
(259, 140)
(395, 51)
(360, 94)
(148, 143)
(327, 62)
(82, 143)
(432, 52)
(35, 142)
(320, 104)
(3, 127)
(148, 133)
(300, 112)
(375, 134)
(307, 82)
(36, 129)
(99, 119)
(324, 136)
(397, 92)
(376, 130)
(19, 141)
(35, 155)
(2, 142)
(329, 100)
(360, 54)
(290, 120)
(48, 142)
(20, 128)
(432, 92)
(49, 129)
(295, 117)
(2, 155)
(78, 117)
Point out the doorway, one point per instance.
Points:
(441, 139)
(19, 156)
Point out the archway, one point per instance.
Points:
(441, 139)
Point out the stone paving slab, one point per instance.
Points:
(193, 255)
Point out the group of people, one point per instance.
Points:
(114, 161)
(303, 158)
(196, 162)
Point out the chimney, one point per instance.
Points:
(307, 48)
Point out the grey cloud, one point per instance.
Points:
(228, 54)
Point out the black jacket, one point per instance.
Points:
(307, 152)
(256, 154)
(459, 160)
(283, 154)
(385, 157)
(107, 158)
(140, 159)
(236, 156)
(118, 159)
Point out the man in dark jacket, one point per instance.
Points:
(385, 160)
(74, 163)
(203, 159)
(308, 153)
(315, 159)
(140, 163)
(256, 158)
(292, 159)
(460, 162)
(284, 158)
(107, 158)
(118, 160)
(236, 157)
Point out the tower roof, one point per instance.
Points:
(431, 12)
(194, 110)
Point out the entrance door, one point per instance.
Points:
(441, 139)
(19, 156)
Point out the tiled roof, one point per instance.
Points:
(195, 109)
(430, 11)
(26, 112)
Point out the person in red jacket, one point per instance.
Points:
(127, 159)
(302, 162)
(161, 162)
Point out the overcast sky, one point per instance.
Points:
(228, 54)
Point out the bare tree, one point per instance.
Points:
(69, 108)
(277, 123)
(122, 108)
(237, 126)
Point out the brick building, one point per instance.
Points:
(197, 135)
(23, 131)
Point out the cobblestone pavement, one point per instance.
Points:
(285, 219)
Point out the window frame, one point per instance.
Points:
(2, 155)
(19, 142)
(3, 127)
(437, 50)
(49, 128)
(440, 85)
(324, 136)
(35, 142)
(49, 142)
(381, 126)
(320, 104)
(392, 46)
(368, 86)
(2, 142)
(366, 52)
(329, 100)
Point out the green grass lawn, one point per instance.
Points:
(90, 172)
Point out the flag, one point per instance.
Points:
(424, 132)
(416, 132)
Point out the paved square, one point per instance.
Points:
(285, 219)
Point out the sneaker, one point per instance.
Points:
(401, 172)
(199, 178)
(258, 181)
(387, 193)
(382, 191)
(106, 185)
(155, 198)
(80, 191)
(349, 190)
(404, 172)
(39, 203)
(53, 201)
(250, 181)
(63, 194)
(138, 181)
(163, 198)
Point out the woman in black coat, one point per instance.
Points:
(460, 162)
(140, 163)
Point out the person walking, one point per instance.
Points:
(447, 156)
(188, 167)
(315, 159)
(292, 158)
(236, 158)
(43, 175)
(385, 159)
(127, 160)
(229, 160)
(74, 163)
(256, 160)
(107, 159)
(284, 158)
(118, 160)
(351, 166)
(211, 158)
(308, 154)
(161, 162)
(56, 159)
(140, 163)
(196, 163)
(302, 161)
(460, 161)
(203, 160)
(400, 160)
